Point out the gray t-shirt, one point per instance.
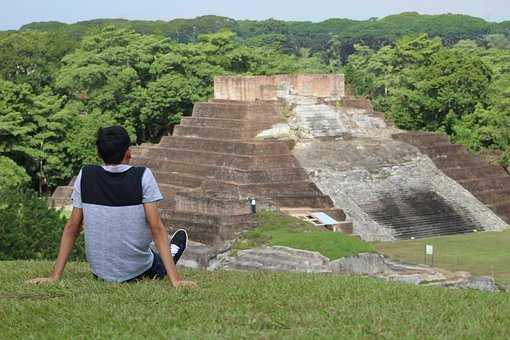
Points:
(117, 238)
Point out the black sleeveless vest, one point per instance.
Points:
(102, 187)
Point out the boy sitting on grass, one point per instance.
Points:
(117, 203)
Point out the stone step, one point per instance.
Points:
(467, 173)
(211, 219)
(216, 159)
(220, 110)
(417, 234)
(238, 110)
(303, 200)
(417, 224)
(205, 122)
(502, 209)
(439, 149)
(484, 184)
(177, 179)
(261, 176)
(168, 190)
(215, 133)
(444, 224)
(226, 146)
(358, 103)
(213, 122)
(420, 138)
(208, 229)
(261, 190)
(223, 173)
(201, 203)
(193, 169)
(462, 161)
(406, 221)
(493, 196)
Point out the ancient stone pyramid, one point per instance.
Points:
(392, 184)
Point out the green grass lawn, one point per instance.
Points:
(485, 253)
(241, 305)
(275, 228)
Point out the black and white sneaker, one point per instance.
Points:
(178, 243)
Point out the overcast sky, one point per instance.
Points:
(15, 13)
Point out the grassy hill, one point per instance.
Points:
(478, 253)
(241, 305)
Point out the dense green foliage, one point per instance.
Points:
(11, 174)
(277, 229)
(333, 37)
(423, 85)
(242, 305)
(29, 229)
(478, 253)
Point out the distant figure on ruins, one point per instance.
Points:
(117, 203)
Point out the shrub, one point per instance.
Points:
(12, 174)
(29, 229)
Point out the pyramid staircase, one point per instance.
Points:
(212, 165)
(488, 183)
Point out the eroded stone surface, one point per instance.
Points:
(384, 183)
(483, 283)
(276, 258)
(365, 263)
(284, 259)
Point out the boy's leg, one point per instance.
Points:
(178, 243)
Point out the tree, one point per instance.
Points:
(32, 57)
(420, 83)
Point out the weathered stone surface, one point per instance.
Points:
(416, 278)
(276, 258)
(311, 117)
(483, 283)
(277, 131)
(364, 263)
(284, 259)
(390, 190)
(197, 255)
(248, 88)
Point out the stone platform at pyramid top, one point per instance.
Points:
(256, 88)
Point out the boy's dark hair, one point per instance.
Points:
(112, 143)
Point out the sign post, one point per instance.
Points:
(429, 253)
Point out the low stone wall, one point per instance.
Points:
(267, 87)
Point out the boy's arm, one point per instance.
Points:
(160, 237)
(71, 232)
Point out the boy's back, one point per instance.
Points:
(117, 236)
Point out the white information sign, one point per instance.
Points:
(429, 249)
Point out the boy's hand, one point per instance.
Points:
(185, 284)
(43, 280)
